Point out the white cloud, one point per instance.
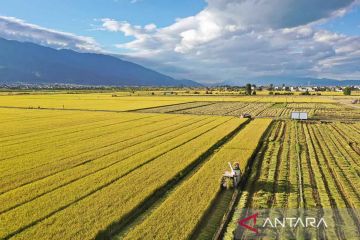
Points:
(125, 27)
(17, 29)
(235, 39)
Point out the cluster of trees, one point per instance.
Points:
(347, 91)
(250, 89)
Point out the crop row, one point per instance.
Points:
(191, 200)
(337, 114)
(313, 105)
(326, 179)
(218, 108)
(258, 109)
(229, 108)
(333, 185)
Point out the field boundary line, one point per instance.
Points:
(174, 104)
(175, 111)
(66, 109)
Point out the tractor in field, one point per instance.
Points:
(245, 115)
(231, 179)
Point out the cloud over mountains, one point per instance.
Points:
(226, 41)
(17, 29)
(231, 39)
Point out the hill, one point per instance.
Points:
(22, 62)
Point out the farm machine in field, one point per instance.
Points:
(231, 179)
(245, 115)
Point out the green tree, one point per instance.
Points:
(271, 88)
(248, 89)
(347, 91)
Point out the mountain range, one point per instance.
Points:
(23, 62)
(29, 63)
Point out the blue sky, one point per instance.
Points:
(204, 40)
(348, 24)
(80, 16)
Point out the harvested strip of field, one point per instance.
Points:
(314, 105)
(341, 114)
(174, 108)
(259, 109)
(326, 179)
(191, 200)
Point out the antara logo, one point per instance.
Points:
(252, 217)
(282, 222)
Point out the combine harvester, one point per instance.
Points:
(230, 186)
(231, 179)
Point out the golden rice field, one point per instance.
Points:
(93, 101)
(120, 102)
(71, 175)
(98, 166)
